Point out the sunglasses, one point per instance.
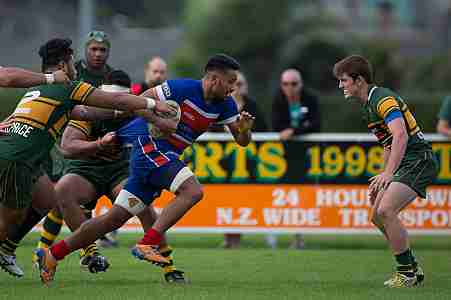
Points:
(290, 83)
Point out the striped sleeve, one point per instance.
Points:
(83, 126)
(81, 91)
(386, 105)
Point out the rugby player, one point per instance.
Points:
(409, 164)
(93, 69)
(39, 119)
(155, 163)
(102, 171)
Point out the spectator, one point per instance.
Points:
(295, 111)
(155, 73)
(444, 118)
(244, 103)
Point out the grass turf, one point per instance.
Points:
(332, 267)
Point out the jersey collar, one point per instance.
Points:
(371, 91)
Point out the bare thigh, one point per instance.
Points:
(74, 188)
(43, 196)
(395, 198)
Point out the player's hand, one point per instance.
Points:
(372, 196)
(161, 107)
(246, 121)
(108, 142)
(286, 134)
(380, 182)
(166, 126)
(61, 77)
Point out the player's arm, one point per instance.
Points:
(241, 129)
(20, 78)
(386, 155)
(125, 102)
(397, 127)
(399, 144)
(166, 125)
(75, 143)
(85, 113)
(151, 93)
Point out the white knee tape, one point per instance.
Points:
(180, 178)
(130, 202)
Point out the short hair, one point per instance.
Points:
(354, 66)
(221, 62)
(118, 77)
(55, 51)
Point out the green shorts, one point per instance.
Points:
(417, 171)
(16, 184)
(103, 176)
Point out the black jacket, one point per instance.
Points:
(310, 122)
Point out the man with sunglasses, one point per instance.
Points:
(295, 111)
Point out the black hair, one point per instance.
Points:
(118, 77)
(222, 62)
(55, 51)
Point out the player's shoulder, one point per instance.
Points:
(181, 88)
(185, 83)
(381, 94)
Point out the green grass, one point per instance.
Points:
(332, 267)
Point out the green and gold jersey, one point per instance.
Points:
(94, 78)
(39, 119)
(381, 102)
(95, 130)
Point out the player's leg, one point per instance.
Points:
(73, 190)
(16, 184)
(147, 218)
(375, 219)
(188, 194)
(179, 179)
(51, 228)
(42, 199)
(85, 235)
(415, 173)
(171, 274)
(397, 196)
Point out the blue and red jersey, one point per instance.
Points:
(197, 115)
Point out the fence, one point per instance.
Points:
(313, 184)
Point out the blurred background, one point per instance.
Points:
(407, 40)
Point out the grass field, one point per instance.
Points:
(332, 267)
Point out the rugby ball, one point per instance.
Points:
(154, 131)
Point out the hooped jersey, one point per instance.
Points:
(94, 130)
(39, 119)
(197, 115)
(382, 102)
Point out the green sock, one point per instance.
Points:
(405, 258)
